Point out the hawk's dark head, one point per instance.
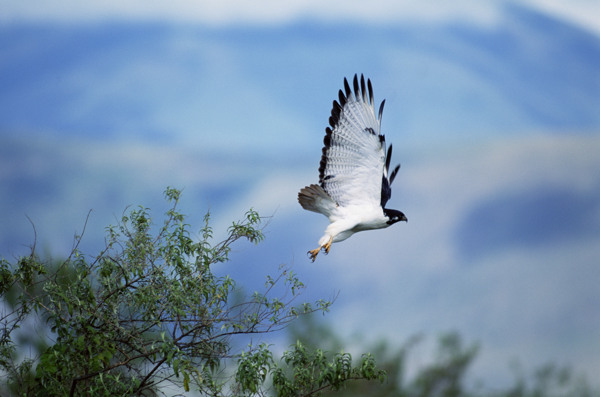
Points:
(394, 216)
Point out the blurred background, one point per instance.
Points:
(493, 108)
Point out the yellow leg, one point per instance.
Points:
(327, 245)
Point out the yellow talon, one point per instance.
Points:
(313, 253)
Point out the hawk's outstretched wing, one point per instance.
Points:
(353, 169)
(354, 178)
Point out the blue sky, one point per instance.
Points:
(492, 110)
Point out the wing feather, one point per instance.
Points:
(354, 154)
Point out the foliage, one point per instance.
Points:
(447, 373)
(148, 312)
(149, 315)
(310, 372)
(302, 371)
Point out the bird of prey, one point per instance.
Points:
(354, 173)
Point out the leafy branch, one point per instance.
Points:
(148, 310)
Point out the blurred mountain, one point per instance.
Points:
(261, 95)
(496, 126)
(182, 82)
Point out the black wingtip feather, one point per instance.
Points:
(356, 88)
(337, 106)
(336, 110)
(370, 87)
(393, 174)
(363, 88)
(327, 138)
(342, 98)
(347, 88)
(381, 109)
(322, 165)
(388, 158)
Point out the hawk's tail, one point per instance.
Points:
(314, 198)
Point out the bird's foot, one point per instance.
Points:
(327, 245)
(313, 253)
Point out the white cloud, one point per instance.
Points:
(518, 301)
(399, 281)
(234, 11)
(229, 12)
(582, 12)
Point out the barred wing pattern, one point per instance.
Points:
(354, 156)
(354, 179)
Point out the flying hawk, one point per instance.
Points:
(354, 178)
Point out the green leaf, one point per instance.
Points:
(176, 367)
(186, 381)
